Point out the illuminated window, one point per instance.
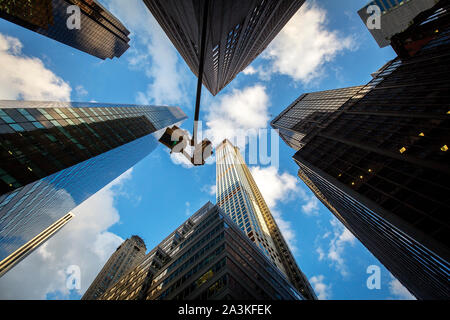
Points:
(444, 148)
(402, 150)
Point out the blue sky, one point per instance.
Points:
(325, 46)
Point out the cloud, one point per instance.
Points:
(303, 47)
(180, 159)
(340, 237)
(311, 207)
(398, 290)
(209, 189)
(85, 242)
(276, 188)
(236, 113)
(27, 78)
(81, 91)
(188, 208)
(322, 290)
(152, 52)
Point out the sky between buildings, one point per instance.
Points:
(324, 46)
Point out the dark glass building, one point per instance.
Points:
(126, 257)
(207, 258)
(237, 32)
(381, 162)
(100, 34)
(55, 155)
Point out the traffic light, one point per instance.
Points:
(177, 140)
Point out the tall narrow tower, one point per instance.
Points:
(126, 257)
(239, 197)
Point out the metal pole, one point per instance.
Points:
(200, 73)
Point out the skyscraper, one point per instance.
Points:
(237, 32)
(55, 155)
(99, 33)
(207, 258)
(239, 197)
(21, 253)
(380, 162)
(126, 257)
(314, 109)
(396, 16)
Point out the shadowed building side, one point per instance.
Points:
(207, 258)
(380, 161)
(237, 32)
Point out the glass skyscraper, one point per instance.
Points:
(99, 34)
(21, 253)
(239, 197)
(380, 162)
(207, 258)
(237, 32)
(55, 155)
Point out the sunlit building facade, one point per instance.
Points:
(55, 155)
(99, 33)
(21, 253)
(239, 197)
(207, 258)
(381, 162)
(126, 257)
(237, 32)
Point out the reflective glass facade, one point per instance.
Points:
(100, 34)
(238, 31)
(239, 197)
(315, 109)
(56, 155)
(382, 163)
(206, 258)
(21, 253)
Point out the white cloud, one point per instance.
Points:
(81, 91)
(249, 70)
(188, 208)
(311, 207)
(237, 112)
(84, 242)
(322, 290)
(340, 237)
(152, 52)
(209, 189)
(274, 188)
(398, 290)
(303, 46)
(27, 78)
